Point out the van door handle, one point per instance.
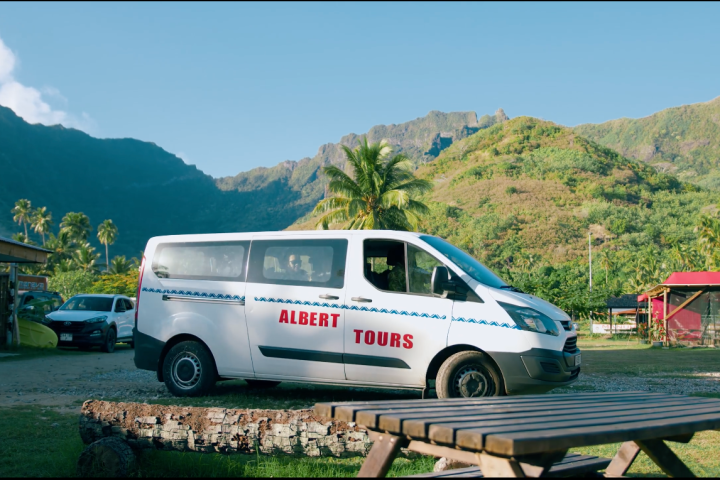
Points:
(361, 300)
(329, 297)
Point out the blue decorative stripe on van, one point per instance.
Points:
(485, 322)
(350, 307)
(188, 293)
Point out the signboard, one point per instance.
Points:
(34, 283)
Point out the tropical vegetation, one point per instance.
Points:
(380, 194)
(73, 264)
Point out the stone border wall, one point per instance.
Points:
(221, 430)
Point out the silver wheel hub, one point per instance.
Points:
(472, 381)
(186, 370)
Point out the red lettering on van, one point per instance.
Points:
(369, 337)
(357, 335)
(382, 338)
(408, 341)
(395, 340)
(314, 319)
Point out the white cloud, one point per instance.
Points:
(28, 102)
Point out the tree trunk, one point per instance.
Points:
(295, 432)
(107, 259)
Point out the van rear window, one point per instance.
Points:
(219, 261)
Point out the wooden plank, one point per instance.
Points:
(451, 433)
(493, 467)
(572, 465)
(518, 443)
(623, 460)
(392, 420)
(440, 451)
(381, 456)
(328, 410)
(665, 458)
(418, 428)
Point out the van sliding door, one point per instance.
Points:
(294, 304)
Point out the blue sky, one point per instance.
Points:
(229, 87)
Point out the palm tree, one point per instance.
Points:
(107, 234)
(85, 258)
(41, 222)
(120, 265)
(77, 225)
(380, 196)
(606, 262)
(22, 238)
(709, 239)
(22, 213)
(61, 246)
(65, 265)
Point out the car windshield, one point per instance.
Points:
(91, 304)
(472, 267)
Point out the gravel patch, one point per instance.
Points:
(686, 384)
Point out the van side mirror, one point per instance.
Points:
(440, 281)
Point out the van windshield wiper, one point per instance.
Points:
(511, 288)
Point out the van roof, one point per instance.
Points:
(283, 233)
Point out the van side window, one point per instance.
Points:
(384, 264)
(220, 261)
(310, 263)
(420, 265)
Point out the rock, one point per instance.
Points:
(449, 464)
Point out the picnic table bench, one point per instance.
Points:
(530, 435)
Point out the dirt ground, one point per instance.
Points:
(68, 380)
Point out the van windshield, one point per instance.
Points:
(94, 304)
(472, 267)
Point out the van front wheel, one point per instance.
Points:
(468, 374)
(189, 370)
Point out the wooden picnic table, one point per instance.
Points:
(525, 435)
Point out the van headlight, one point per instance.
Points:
(96, 319)
(531, 320)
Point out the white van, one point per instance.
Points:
(362, 308)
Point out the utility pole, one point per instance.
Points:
(590, 262)
(590, 257)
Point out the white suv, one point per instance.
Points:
(93, 320)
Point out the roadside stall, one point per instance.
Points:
(685, 309)
(14, 253)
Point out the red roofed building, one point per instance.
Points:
(685, 308)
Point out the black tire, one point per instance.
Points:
(468, 374)
(261, 383)
(107, 457)
(189, 370)
(108, 345)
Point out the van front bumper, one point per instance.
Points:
(537, 370)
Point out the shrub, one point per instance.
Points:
(511, 190)
(69, 284)
(122, 284)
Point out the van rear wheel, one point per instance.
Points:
(189, 370)
(468, 374)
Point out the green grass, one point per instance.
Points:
(31, 448)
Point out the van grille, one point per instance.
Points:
(570, 345)
(550, 367)
(567, 325)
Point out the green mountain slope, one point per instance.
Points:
(682, 140)
(296, 187)
(523, 196)
(147, 191)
